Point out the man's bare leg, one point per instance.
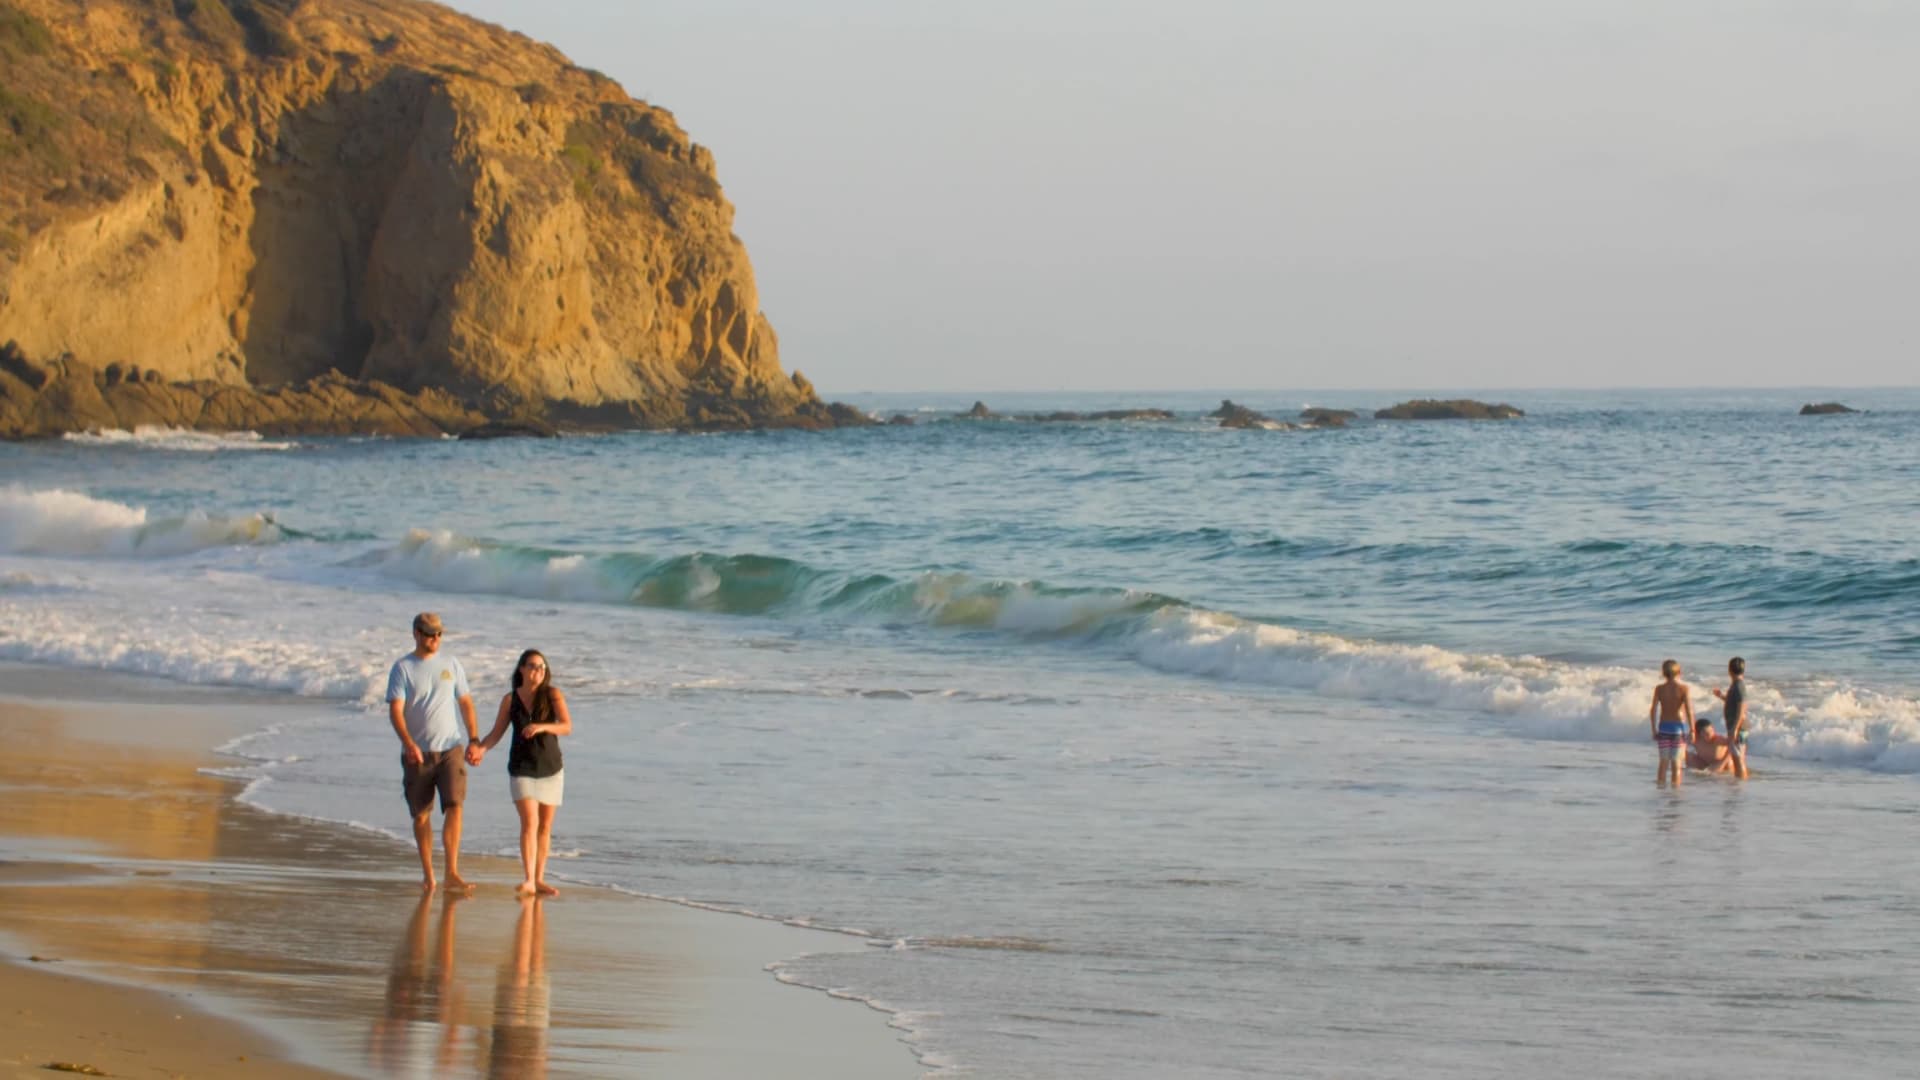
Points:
(423, 839)
(450, 837)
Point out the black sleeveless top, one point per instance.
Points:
(538, 756)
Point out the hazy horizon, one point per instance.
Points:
(1376, 195)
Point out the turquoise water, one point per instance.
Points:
(1136, 748)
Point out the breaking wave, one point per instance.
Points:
(67, 523)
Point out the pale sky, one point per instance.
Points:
(1079, 195)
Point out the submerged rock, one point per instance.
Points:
(1104, 414)
(1453, 409)
(1825, 408)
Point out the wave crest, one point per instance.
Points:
(68, 523)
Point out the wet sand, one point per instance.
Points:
(233, 942)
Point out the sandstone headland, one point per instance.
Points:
(215, 211)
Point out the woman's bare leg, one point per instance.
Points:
(546, 845)
(529, 844)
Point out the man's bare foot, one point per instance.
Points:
(545, 889)
(525, 888)
(455, 881)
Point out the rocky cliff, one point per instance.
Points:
(383, 199)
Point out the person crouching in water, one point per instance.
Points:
(537, 712)
(1671, 718)
(1709, 752)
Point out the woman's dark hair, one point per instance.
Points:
(542, 697)
(1736, 665)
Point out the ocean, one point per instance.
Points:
(1130, 749)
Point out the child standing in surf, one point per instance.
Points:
(1671, 718)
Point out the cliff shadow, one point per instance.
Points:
(327, 177)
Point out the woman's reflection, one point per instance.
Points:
(520, 999)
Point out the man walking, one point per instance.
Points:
(1735, 714)
(429, 703)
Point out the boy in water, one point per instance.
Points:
(1671, 718)
(1735, 714)
(1709, 751)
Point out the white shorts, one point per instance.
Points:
(541, 789)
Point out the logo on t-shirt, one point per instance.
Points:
(446, 675)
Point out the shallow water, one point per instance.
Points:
(1135, 747)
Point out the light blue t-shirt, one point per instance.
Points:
(430, 691)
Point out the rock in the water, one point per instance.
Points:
(1239, 416)
(1066, 417)
(512, 429)
(247, 194)
(1825, 408)
(978, 412)
(900, 420)
(1454, 409)
(1319, 417)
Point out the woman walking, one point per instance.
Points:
(537, 712)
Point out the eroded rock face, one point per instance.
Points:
(255, 193)
(1453, 409)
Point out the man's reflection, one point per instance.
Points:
(418, 1035)
(520, 999)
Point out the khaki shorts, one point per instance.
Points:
(444, 771)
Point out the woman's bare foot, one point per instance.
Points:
(456, 882)
(525, 888)
(427, 885)
(545, 889)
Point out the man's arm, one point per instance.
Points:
(409, 752)
(469, 718)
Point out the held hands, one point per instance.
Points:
(475, 752)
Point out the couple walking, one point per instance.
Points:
(1675, 728)
(431, 707)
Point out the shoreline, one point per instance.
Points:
(308, 947)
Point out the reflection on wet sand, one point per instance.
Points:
(128, 861)
(522, 1007)
(418, 1031)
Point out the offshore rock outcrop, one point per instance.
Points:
(1453, 409)
(1826, 408)
(248, 196)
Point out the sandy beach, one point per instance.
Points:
(156, 927)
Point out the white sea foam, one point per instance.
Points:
(1805, 721)
(68, 523)
(156, 437)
